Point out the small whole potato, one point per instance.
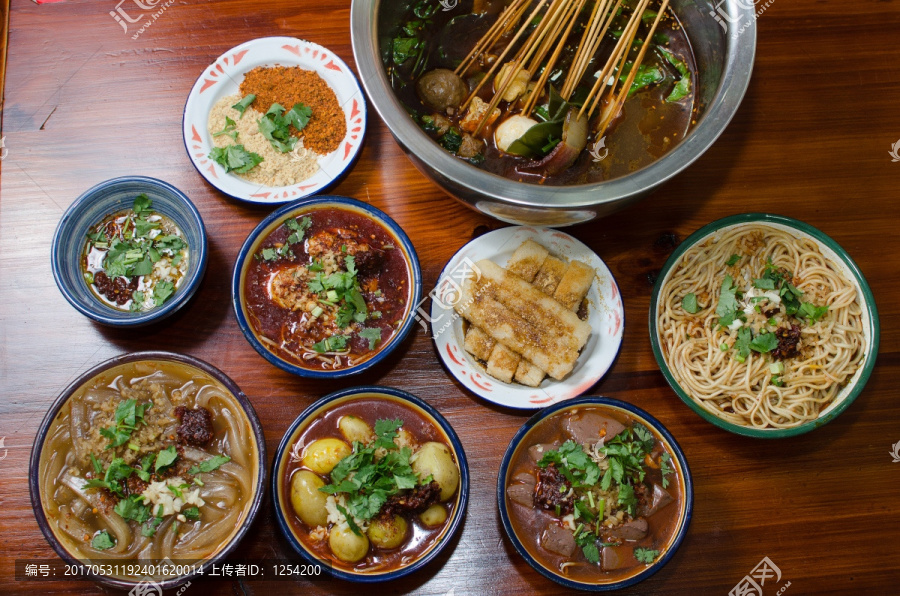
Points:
(441, 88)
(435, 459)
(306, 498)
(388, 532)
(355, 429)
(346, 545)
(434, 515)
(323, 455)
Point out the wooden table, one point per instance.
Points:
(85, 102)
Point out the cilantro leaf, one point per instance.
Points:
(627, 498)
(812, 312)
(191, 513)
(576, 465)
(149, 529)
(235, 158)
(117, 472)
(210, 464)
(665, 468)
(386, 431)
(128, 415)
(298, 229)
(645, 555)
(244, 104)
(742, 344)
(591, 552)
(133, 508)
(764, 283)
(142, 204)
(728, 304)
(689, 304)
(373, 335)
(764, 342)
(165, 458)
(353, 527)
(335, 343)
(162, 291)
(102, 541)
(228, 129)
(732, 260)
(275, 125)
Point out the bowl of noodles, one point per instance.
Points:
(146, 468)
(764, 325)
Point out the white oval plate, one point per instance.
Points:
(606, 316)
(223, 77)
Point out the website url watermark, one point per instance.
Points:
(725, 19)
(752, 583)
(448, 294)
(136, 12)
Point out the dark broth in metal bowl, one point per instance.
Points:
(649, 125)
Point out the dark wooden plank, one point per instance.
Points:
(85, 102)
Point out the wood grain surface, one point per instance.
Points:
(85, 102)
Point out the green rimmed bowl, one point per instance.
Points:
(834, 253)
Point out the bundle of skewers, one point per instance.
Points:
(529, 40)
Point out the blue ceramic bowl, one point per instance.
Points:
(269, 224)
(91, 208)
(224, 550)
(683, 474)
(284, 509)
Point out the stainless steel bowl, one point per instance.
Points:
(723, 36)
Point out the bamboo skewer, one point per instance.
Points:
(500, 58)
(623, 94)
(550, 36)
(598, 38)
(547, 23)
(532, 99)
(621, 50)
(494, 33)
(597, 15)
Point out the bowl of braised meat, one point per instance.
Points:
(327, 287)
(595, 494)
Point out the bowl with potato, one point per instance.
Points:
(371, 483)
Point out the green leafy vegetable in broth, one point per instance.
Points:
(132, 507)
(210, 464)
(113, 478)
(165, 458)
(683, 86)
(102, 541)
(646, 75)
(131, 246)
(372, 335)
(645, 555)
(128, 415)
